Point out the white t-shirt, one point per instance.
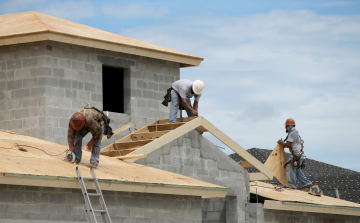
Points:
(295, 140)
(183, 88)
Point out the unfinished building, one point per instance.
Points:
(50, 68)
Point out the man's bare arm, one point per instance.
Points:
(286, 145)
(186, 105)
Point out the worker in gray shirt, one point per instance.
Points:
(297, 161)
(182, 91)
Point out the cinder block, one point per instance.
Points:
(77, 65)
(15, 208)
(11, 85)
(32, 208)
(64, 83)
(24, 216)
(14, 64)
(22, 113)
(164, 214)
(70, 218)
(22, 74)
(40, 51)
(57, 217)
(12, 104)
(40, 71)
(58, 92)
(24, 196)
(22, 93)
(38, 111)
(22, 53)
(58, 72)
(31, 62)
(48, 81)
(96, 97)
(56, 198)
(78, 210)
(89, 67)
(139, 213)
(122, 212)
(29, 83)
(63, 210)
(7, 216)
(48, 209)
(39, 197)
(2, 66)
(7, 75)
(64, 63)
(7, 55)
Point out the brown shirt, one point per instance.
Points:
(92, 123)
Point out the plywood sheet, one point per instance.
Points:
(267, 190)
(276, 162)
(109, 168)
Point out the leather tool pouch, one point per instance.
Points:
(295, 162)
(167, 97)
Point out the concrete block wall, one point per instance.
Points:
(257, 214)
(25, 204)
(194, 156)
(43, 83)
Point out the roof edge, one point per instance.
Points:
(184, 60)
(68, 182)
(315, 208)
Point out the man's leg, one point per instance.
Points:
(174, 107)
(291, 176)
(188, 112)
(302, 178)
(95, 152)
(78, 141)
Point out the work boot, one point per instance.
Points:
(307, 188)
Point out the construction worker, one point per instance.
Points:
(181, 92)
(88, 119)
(297, 161)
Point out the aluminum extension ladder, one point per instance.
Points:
(89, 211)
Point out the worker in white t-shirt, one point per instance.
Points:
(182, 91)
(297, 161)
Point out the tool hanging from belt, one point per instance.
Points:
(295, 161)
(104, 120)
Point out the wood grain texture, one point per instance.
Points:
(246, 164)
(137, 156)
(289, 195)
(48, 167)
(147, 135)
(163, 127)
(276, 162)
(132, 144)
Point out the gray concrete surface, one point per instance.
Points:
(194, 156)
(46, 204)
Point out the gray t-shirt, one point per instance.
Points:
(183, 88)
(295, 140)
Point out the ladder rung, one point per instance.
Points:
(93, 194)
(88, 178)
(99, 211)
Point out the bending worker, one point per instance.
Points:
(297, 162)
(182, 91)
(88, 119)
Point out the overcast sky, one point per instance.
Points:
(265, 61)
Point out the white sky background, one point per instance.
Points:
(259, 69)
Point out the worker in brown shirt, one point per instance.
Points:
(86, 120)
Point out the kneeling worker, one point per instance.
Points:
(182, 91)
(297, 162)
(88, 119)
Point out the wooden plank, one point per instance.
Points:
(163, 127)
(117, 131)
(123, 152)
(236, 148)
(126, 138)
(201, 129)
(148, 135)
(276, 162)
(185, 119)
(258, 177)
(132, 144)
(303, 207)
(246, 164)
(137, 156)
(172, 135)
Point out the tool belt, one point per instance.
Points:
(167, 97)
(104, 120)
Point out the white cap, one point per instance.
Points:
(198, 87)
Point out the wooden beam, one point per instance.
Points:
(258, 177)
(147, 135)
(276, 162)
(163, 127)
(314, 208)
(126, 138)
(172, 135)
(246, 164)
(123, 152)
(201, 129)
(236, 148)
(166, 121)
(132, 144)
(137, 156)
(117, 131)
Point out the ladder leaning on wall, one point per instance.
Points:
(89, 211)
